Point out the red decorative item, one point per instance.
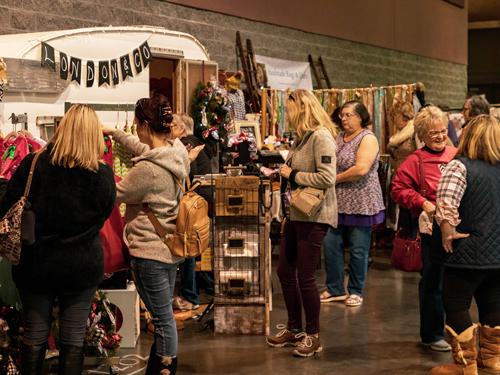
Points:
(116, 256)
(16, 149)
(406, 254)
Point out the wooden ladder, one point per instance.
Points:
(319, 78)
(249, 66)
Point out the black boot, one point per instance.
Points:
(159, 366)
(32, 358)
(170, 364)
(151, 361)
(70, 360)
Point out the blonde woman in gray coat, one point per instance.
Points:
(311, 162)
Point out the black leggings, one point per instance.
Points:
(460, 285)
(74, 308)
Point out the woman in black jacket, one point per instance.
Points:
(72, 194)
(468, 214)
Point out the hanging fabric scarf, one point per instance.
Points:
(384, 134)
(376, 117)
(283, 99)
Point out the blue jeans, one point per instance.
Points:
(430, 291)
(358, 240)
(74, 308)
(189, 289)
(155, 283)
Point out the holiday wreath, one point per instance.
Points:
(212, 120)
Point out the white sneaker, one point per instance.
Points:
(438, 346)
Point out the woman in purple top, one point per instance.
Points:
(360, 206)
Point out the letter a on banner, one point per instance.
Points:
(76, 69)
(63, 66)
(126, 68)
(114, 72)
(90, 73)
(48, 56)
(137, 60)
(145, 54)
(104, 73)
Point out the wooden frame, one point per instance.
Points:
(249, 127)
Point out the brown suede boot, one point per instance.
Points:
(464, 351)
(488, 359)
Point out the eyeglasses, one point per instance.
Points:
(442, 133)
(348, 115)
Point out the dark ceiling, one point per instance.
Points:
(484, 10)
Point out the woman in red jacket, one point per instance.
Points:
(431, 125)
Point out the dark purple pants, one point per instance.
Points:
(300, 254)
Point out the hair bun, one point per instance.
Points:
(165, 115)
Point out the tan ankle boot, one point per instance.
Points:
(464, 351)
(488, 358)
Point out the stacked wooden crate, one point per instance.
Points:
(239, 256)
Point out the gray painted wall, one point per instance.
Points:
(349, 64)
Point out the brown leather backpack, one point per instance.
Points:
(192, 230)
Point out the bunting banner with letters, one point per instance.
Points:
(110, 72)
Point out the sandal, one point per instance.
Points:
(327, 297)
(354, 300)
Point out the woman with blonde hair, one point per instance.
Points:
(468, 228)
(310, 163)
(72, 194)
(417, 193)
(403, 142)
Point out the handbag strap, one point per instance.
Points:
(423, 190)
(30, 176)
(154, 220)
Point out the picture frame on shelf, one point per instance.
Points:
(249, 127)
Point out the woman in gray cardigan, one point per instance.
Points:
(311, 162)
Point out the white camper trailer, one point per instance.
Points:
(178, 63)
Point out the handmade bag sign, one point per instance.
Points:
(106, 72)
(11, 225)
(407, 252)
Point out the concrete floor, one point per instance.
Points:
(380, 337)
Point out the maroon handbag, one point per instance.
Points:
(407, 252)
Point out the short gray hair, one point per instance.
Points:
(426, 117)
(185, 120)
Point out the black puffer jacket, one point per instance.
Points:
(71, 205)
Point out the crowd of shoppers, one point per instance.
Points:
(442, 190)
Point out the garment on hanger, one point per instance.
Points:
(17, 146)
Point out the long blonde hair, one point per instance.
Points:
(305, 112)
(78, 141)
(480, 139)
